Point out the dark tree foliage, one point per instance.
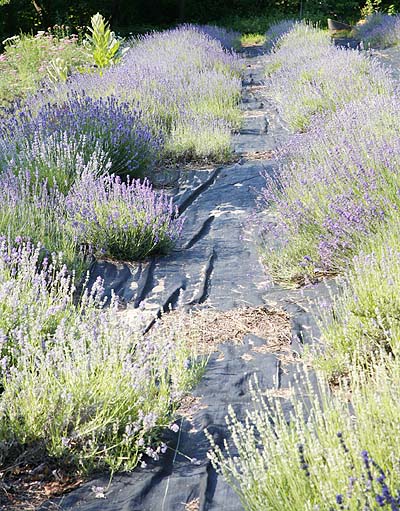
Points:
(32, 15)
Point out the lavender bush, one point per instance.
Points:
(229, 39)
(35, 296)
(278, 30)
(365, 317)
(56, 158)
(307, 76)
(338, 184)
(123, 220)
(100, 215)
(200, 136)
(31, 210)
(374, 481)
(80, 126)
(80, 380)
(322, 454)
(379, 30)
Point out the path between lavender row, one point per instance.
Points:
(216, 262)
(216, 265)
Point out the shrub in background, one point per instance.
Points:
(101, 41)
(253, 24)
(122, 220)
(308, 76)
(379, 30)
(28, 61)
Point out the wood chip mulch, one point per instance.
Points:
(25, 487)
(29, 477)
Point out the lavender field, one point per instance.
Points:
(173, 97)
(162, 194)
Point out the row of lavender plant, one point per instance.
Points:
(338, 181)
(185, 85)
(307, 75)
(378, 30)
(78, 380)
(175, 92)
(337, 203)
(327, 447)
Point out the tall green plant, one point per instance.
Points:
(104, 46)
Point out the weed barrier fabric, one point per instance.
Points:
(216, 265)
(184, 474)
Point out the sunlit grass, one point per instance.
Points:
(252, 39)
(28, 62)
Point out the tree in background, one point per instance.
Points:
(33, 15)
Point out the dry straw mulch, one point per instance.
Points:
(205, 329)
(259, 155)
(193, 505)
